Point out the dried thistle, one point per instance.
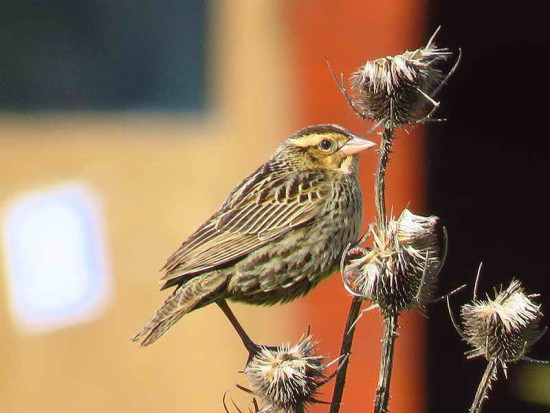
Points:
(400, 270)
(393, 90)
(286, 378)
(502, 329)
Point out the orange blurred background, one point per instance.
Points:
(156, 176)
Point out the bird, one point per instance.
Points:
(280, 232)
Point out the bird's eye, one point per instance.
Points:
(325, 145)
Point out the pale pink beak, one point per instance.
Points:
(356, 144)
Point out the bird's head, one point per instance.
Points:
(324, 146)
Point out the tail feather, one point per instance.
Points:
(195, 293)
(155, 331)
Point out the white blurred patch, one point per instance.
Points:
(55, 258)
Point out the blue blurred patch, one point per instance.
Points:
(56, 258)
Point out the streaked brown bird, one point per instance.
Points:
(280, 232)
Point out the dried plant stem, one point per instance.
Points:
(355, 308)
(380, 184)
(484, 386)
(390, 320)
(347, 340)
(386, 363)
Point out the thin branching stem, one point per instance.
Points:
(484, 386)
(349, 332)
(386, 364)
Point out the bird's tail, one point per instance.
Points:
(197, 292)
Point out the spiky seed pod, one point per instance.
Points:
(395, 89)
(400, 270)
(502, 329)
(286, 378)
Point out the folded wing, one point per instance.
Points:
(262, 209)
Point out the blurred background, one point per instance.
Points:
(124, 125)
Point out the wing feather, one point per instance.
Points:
(260, 210)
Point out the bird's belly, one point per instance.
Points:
(293, 265)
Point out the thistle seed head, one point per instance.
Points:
(286, 378)
(400, 270)
(502, 329)
(393, 90)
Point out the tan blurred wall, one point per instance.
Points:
(158, 178)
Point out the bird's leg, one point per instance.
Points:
(250, 346)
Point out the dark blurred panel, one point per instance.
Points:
(488, 180)
(102, 55)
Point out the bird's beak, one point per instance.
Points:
(356, 144)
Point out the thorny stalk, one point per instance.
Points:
(380, 184)
(390, 320)
(349, 332)
(484, 386)
(386, 364)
